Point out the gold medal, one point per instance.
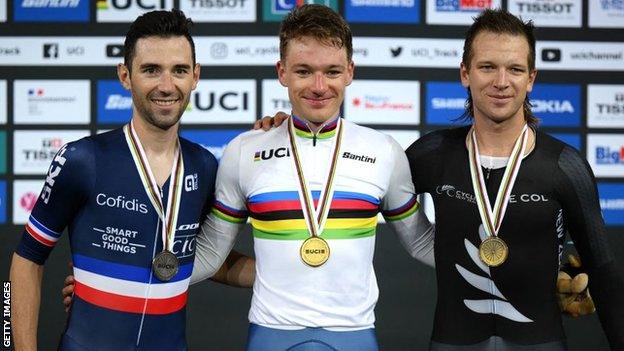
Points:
(314, 251)
(493, 251)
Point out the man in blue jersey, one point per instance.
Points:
(132, 199)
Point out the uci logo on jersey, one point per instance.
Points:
(268, 154)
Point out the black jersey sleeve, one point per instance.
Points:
(576, 188)
(423, 158)
(66, 187)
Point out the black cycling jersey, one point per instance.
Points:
(554, 193)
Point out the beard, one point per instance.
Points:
(161, 121)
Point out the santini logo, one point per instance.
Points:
(362, 158)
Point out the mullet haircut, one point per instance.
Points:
(164, 24)
(319, 22)
(500, 21)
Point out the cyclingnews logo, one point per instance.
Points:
(51, 10)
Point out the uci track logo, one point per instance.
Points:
(269, 154)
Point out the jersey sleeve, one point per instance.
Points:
(226, 218)
(402, 212)
(576, 188)
(423, 159)
(66, 187)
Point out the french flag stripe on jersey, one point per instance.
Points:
(130, 288)
(130, 304)
(126, 272)
(41, 233)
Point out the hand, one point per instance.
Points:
(572, 292)
(267, 122)
(68, 290)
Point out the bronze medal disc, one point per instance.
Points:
(314, 251)
(493, 251)
(165, 265)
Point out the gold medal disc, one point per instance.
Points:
(493, 251)
(314, 251)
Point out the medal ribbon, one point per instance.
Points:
(315, 221)
(168, 216)
(492, 219)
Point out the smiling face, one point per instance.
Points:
(161, 79)
(316, 75)
(498, 77)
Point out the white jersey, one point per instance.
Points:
(257, 178)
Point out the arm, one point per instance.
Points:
(577, 191)
(402, 210)
(237, 270)
(26, 296)
(221, 226)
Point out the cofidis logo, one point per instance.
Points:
(114, 103)
(612, 202)
(214, 141)
(51, 11)
(557, 104)
(382, 11)
(445, 102)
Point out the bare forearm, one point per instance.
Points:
(237, 270)
(26, 296)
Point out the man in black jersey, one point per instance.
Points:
(505, 195)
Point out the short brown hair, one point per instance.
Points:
(500, 21)
(319, 22)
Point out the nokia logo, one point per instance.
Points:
(552, 106)
(268, 154)
(362, 158)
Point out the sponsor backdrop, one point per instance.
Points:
(58, 83)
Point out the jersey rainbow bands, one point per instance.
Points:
(94, 189)
(257, 179)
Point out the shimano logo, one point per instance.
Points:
(612, 204)
(121, 202)
(362, 158)
(448, 103)
(51, 3)
(552, 106)
(118, 102)
(269, 154)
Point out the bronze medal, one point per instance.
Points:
(314, 251)
(165, 265)
(493, 251)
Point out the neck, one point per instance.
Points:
(314, 126)
(154, 140)
(497, 139)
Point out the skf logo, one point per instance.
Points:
(606, 155)
(268, 154)
(53, 172)
(190, 182)
(126, 4)
(362, 158)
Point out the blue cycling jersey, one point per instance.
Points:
(94, 189)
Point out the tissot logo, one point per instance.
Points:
(269, 154)
(51, 50)
(544, 7)
(551, 55)
(114, 50)
(605, 105)
(209, 4)
(396, 51)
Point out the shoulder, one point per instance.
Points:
(197, 152)
(436, 139)
(370, 136)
